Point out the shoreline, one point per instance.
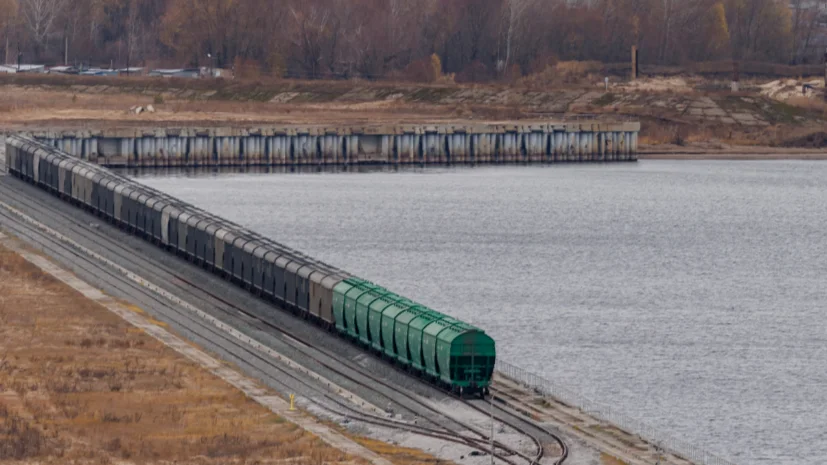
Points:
(672, 152)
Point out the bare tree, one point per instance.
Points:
(40, 16)
(513, 14)
(806, 16)
(8, 16)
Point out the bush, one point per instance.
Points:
(476, 71)
(421, 70)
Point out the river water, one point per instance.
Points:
(689, 294)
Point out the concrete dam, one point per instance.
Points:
(352, 145)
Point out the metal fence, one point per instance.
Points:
(605, 413)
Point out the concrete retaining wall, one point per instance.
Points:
(438, 144)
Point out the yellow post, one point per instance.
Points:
(292, 400)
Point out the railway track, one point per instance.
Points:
(56, 248)
(481, 442)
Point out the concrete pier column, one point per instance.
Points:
(354, 153)
(478, 147)
(346, 150)
(228, 152)
(283, 148)
(627, 145)
(289, 149)
(198, 152)
(268, 150)
(140, 150)
(300, 149)
(466, 148)
(284, 143)
(216, 150)
(245, 145)
(633, 145)
(411, 149)
(334, 141)
(219, 148)
(456, 148)
(171, 151)
(506, 147)
(210, 151)
(93, 147)
(537, 147)
(276, 150)
(325, 142)
(190, 148)
(595, 146)
(153, 151)
(252, 151)
(84, 151)
(554, 141)
(384, 149)
(416, 149)
(299, 142)
(259, 150)
(430, 147)
(398, 150)
(316, 155)
(313, 154)
(237, 155)
(124, 150)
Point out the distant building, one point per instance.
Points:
(99, 72)
(13, 69)
(132, 71)
(217, 73)
(177, 73)
(63, 70)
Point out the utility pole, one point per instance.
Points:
(634, 62)
(825, 74)
(491, 409)
(128, 52)
(736, 77)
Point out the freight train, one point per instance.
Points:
(443, 350)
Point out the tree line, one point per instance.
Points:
(476, 40)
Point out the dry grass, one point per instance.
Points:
(22, 108)
(606, 459)
(400, 455)
(810, 104)
(78, 384)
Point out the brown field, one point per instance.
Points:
(80, 385)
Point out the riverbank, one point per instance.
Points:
(679, 117)
(728, 152)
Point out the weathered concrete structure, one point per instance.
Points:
(312, 145)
